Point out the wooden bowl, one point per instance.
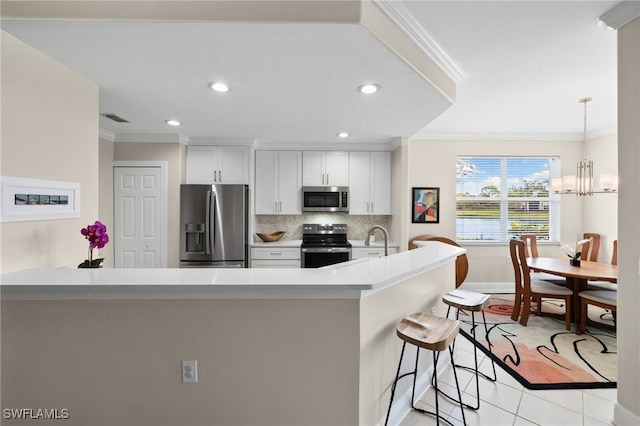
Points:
(270, 238)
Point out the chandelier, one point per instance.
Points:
(582, 182)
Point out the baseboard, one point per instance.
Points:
(489, 287)
(623, 417)
(402, 404)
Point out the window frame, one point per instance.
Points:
(553, 199)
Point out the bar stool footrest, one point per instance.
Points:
(464, 367)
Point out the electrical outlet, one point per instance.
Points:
(507, 259)
(433, 310)
(190, 371)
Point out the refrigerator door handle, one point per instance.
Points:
(211, 217)
(207, 224)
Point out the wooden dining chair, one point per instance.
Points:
(531, 250)
(614, 256)
(531, 244)
(527, 289)
(606, 285)
(602, 298)
(590, 250)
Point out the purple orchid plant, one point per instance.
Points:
(98, 238)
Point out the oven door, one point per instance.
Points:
(317, 257)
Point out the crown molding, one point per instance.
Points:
(398, 142)
(320, 146)
(621, 15)
(152, 138)
(221, 141)
(516, 137)
(106, 134)
(405, 18)
(502, 137)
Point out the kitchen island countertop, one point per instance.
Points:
(351, 282)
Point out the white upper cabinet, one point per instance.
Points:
(325, 168)
(278, 182)
(370, 183)
(217, 164)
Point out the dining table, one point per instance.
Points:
(576, 277)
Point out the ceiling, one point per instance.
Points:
(522, 68)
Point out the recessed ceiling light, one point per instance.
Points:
(173, 122)
(343, 135)
(219, 87)
(368, 89)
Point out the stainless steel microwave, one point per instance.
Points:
(325, 199)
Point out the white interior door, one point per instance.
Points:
(139, 217)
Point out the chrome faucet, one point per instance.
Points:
(386, 238)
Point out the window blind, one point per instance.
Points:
(499, 198)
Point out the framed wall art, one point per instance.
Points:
(425, 207)
(25, 199)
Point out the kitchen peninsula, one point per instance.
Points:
(273, 346)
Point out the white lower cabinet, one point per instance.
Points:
(267, 257)
(362, 252)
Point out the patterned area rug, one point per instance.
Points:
(544, 355)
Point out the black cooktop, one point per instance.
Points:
(324, 235)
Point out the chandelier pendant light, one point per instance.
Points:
(582, 182)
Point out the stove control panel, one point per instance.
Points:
(324, 228)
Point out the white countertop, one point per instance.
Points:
(296, 243)
(351, 280)
(377, 243)
(277, 244)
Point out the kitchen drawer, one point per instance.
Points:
(291, 263)
(283, 253)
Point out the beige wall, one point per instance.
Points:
(49, 131)
(628, 407)
(432, 163)
(604, 153)
(174, 155)
(105, 201)
(260, 362)
(399, 204)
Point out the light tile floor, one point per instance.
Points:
(507, 402)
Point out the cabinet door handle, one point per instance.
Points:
(215, 175)
(327, 178)
(323, 178)
(275, 206)
(276, 254)
(280, 206)
(367, 207)
(220, 175)
(372, 207)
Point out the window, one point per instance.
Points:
(499, 198)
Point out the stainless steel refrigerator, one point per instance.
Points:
(214, 222)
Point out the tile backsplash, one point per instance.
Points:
(357, 226)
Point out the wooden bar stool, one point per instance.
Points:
(432, 333)
(472, 302)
